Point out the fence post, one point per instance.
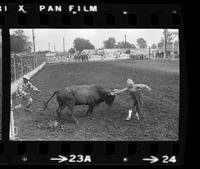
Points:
(22, 66)
(32, 61)
(30, 65)
(33, 58)
(35, 61)
(14, 67)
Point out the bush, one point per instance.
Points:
(137, 57)
(128, 51)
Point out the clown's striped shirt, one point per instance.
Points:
(23, 87)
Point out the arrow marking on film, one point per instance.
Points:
(152, 159)
(61, 159)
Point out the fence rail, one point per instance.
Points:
(24, 63)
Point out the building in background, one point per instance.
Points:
(172, 51)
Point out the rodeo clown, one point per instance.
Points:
(135, 91)
(23, 91)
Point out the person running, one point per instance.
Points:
(23, 91)
(135, 91)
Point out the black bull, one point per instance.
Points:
(90, 95)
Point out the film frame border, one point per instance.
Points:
(127, 16)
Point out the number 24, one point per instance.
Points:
(167, 159)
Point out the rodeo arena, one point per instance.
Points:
(98, 78)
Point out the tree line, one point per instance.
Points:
(21, 43)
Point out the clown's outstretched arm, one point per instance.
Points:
(117, 91)
(142, 86)
(33, 87)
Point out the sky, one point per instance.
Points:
(95, 36)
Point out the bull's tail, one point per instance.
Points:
(46, 103)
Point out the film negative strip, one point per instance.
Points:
(125, 61)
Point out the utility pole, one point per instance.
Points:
(149, 52)
(49, 46)
(34, 47)
(63, 44)
(172, 35)
(33, 40)
(175, 34)
(165, 42)
(54, 48)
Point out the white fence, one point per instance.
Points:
(56, 59)
(23, 63)
(114, 53)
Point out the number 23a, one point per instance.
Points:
(79, 158)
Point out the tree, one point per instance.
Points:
(141, 43)
(176, 43)
(128, 52)
(20, 42)
(71, 50)
(161, 43)
(133, 46)
(43, 51)
(125, 45)
(110, 43)
(168, 39)
(81, 44)
(168, 35)
(153, 46)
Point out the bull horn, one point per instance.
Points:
(115, 91)
(112, 93)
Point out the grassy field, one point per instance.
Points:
(160, 110)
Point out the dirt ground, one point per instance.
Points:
(160, 110)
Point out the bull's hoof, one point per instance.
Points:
(127, 119)
(137, 116)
